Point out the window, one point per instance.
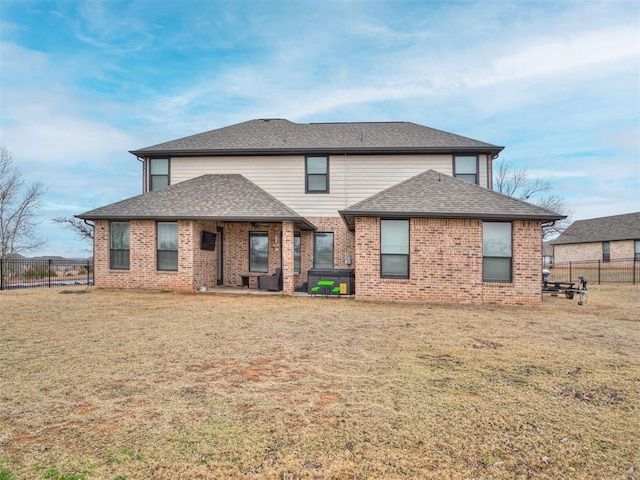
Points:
(606, 252)
(119, 246)
(465, 167)
(637, 251)
(394, 248)
(323, 250)
(296, 253)
(258, 252)
(317, 174)
(496, 252)
(167, 246)
(158, 173)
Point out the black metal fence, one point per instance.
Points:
(30, 273)
(598, 271)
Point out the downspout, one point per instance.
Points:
(344, 163)
(144, 173)
(93, 270)
(346, 243)
(490, 169)
(542, 225)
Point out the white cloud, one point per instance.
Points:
(116, 31)
(553, 174)
(545, 56)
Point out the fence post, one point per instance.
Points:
(88, 263)
(633, 269)
(1, 274)
(49, 272)
(599, 264)
(570, 276)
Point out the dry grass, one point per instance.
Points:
(138, 385)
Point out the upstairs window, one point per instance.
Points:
(158, 173)
(394, 248)
(606, 252)
(258, 252)
(119, 246)
(317, 174)
(465, 167)
(168, 246)
(323, 250)
(496, 252)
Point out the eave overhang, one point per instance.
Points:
(300, 222)
(349, 216)
(490, 149)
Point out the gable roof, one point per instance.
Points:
(602, 229)
(435, 195)
(209, 197)
(277, 136)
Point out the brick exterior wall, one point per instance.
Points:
(445, 259)
(579, 252)
(343, 242)
(446, 264)
(143, 272)
(198, 267)
(287, 258)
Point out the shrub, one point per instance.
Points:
(38, 272)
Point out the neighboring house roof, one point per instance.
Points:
(435, 195)
(208, 197)
(602, 229)
(14, 256)
(273, 136)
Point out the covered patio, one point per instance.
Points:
(218, 229)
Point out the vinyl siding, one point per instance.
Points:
(352, 177)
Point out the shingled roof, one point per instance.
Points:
(208, 197)
(602, 229)
(271, 136)
(434, 195)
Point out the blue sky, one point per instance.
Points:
(83, 82)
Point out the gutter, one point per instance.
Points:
(349, 217)
(301, 222)
(489, 149)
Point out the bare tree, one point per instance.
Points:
(79, 227)
(516, 183)
(18, 206)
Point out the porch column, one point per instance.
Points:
(287, 258)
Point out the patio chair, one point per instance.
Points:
(271, 282)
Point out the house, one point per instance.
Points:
(605, 238)
(409, 208)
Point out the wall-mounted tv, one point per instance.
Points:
(208, 241)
